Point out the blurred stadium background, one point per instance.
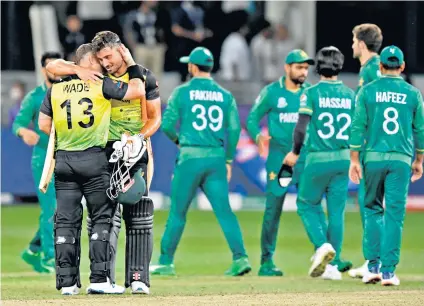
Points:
(254, 36)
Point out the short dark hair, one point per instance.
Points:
(49, 55)
(105, 39)
(370, 34)
(203, 68)
(82, 51)
(391, 67)
(329, 61)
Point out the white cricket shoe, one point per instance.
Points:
(105, 288)
(390, 279)
(372, 276)
(359, 272)
(73, 290)
(139, 288)
(323, 255)
(331, 273)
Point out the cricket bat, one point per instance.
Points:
(49, 162)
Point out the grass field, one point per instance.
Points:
(202, 258)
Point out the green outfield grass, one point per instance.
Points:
(203, 256)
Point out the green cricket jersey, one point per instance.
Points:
(207, 112)
(330, 105)
(29, 112)
(390, 112)
(282, 107)
(369, 72)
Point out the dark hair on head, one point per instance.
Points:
(105, 39)
(329, 61)
(370, 34)
(82, 51)
(391, 67)
(203, 68)
(49, 55)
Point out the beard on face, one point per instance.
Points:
(297, 80)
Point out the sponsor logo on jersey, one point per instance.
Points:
(282, 102)
(303, 99)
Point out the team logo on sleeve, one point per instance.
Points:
(303, 99)
(282, 102)
(361, 82)
(258, 98)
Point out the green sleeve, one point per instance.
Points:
(234, 130)
(305, 104)
(359, 123)
(25, 115)
(258, 111)
(170, 117)
(418, 125)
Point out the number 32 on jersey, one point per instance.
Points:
(344, 121)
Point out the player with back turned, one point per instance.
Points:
(389, 111)
(325, 112)
(206, 112)
(137, 117)
(80, 112)
(367, 40)
(280, 100)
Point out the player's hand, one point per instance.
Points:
(89, 75)
(126, 55)
(355, 172)
(290, 159)
(417, 170)
(263, 142)
(229, 172)
(29, 137)
(199, 36)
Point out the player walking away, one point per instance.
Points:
(40, 253)
(135, 117)
(367, 40)
(325, 111)
(206, 112)
(390, 112)
(81, 115)
(280, 100)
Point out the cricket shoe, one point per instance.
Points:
(331, 273)
(105, 288)
(268, 268)
(359, 272)
(342, 265)
(239, 267)
(73, 290)
(139, 288)
(390, 279)
(165, 270)
(48, 265)
(33, 259)
(323, 255)
(372, 276)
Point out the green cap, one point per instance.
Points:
(134, 194)
(391, 56)
(199, 56)
(299, 56)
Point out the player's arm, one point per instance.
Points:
(46, 113)
(171, 116)
(23, 119)
(418, 130)
(234, 129)
(60, 67)
(153, 106)
(119, 90)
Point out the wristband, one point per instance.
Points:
(135, 72)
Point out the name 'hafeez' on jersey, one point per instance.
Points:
(206, 112)
(81, 111)
(390, 112)
(330, 105)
